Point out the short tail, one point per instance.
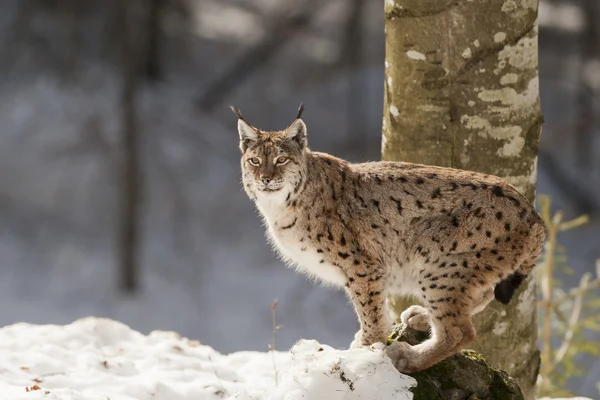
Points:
(505, 289)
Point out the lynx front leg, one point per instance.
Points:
(367, 294)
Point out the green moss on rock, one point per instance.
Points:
(466, 375)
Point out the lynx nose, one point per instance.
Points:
(265, 180)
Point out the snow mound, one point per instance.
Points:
(100, 359)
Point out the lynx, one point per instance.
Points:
(454, 239)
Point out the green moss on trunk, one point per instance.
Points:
(466, 375)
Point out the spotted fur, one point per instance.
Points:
(455, 239)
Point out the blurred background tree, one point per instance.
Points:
(198, 262)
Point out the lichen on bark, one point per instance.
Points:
(462, 91)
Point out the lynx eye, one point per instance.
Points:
(281, 160)
(254, 161)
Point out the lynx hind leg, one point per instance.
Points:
(416, 317)
(447, 337)
(461, 286)
(483, 300)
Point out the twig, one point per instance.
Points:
(574, 293)
(572, 325)
(276, 327)
(552, 224)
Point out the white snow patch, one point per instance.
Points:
(96, 359)
(394, 111)
(466, 53)
(415, 55)
(499, 37)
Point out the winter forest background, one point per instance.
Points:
(91, 89)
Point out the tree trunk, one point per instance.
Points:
(462, 91)
(152, 68)
(130, 179)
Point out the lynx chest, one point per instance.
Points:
(294, 244)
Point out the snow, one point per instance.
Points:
(100, 359)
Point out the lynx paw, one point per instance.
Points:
(416, 317)
(402, 355)
(357, 342)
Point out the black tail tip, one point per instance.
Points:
(504, 291)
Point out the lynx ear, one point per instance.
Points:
(246, 131)
(297, 131)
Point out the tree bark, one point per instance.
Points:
(462, 91)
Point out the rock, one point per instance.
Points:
(455, 394)
(465, 375)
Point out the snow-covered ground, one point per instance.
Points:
(100, 359)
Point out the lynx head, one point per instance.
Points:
(273, 163)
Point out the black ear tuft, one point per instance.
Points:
(237, 112)
(300, 111)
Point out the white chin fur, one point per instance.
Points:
(272, 198)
